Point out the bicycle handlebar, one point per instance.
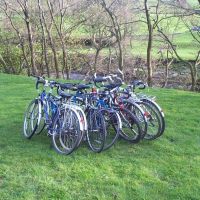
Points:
(110, 78)
(40, 80)
(139, 84)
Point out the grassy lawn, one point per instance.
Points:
(167, 168)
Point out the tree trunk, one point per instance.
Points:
(117, 33)
(95, 60)
(46, 56)
(166, 76)
(121, 59)
(149, 67)
(65, 65)
(42, 56)
(60, 33)
(45, 53)
(149, 47)
(52, 45)
(167, 72)
(30, 38)
(110, 60)
(54, 54)
(24, 55)
(193, 76)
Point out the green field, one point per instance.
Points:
(167, 168)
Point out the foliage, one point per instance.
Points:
(10, 59)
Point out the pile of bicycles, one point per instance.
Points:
(98, 113)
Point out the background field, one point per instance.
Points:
(167, 168)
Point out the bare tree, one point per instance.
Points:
(20, 37)
(100, 34)
(48, 28)
(116, 30)
(149, 47)
(62, 9)
(151, 25)
(25, 9)
(44, 40)
(166, 61)
(59, 29)
(192, 67)
(186, 15)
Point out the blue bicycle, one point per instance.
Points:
(62, 121)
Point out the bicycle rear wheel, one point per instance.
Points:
(140, 114)
(153, 120)
(159, 112)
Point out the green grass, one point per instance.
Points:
(167, 168)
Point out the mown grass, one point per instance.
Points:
(167, 168)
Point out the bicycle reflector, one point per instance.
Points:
(146, 114)
(94, 90)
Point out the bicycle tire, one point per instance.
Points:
(113, 126)
(140, 114)
(96, 130)
(159, 112)
(153, 120)
(62, 132)
(128, 120)
(80, 102)
(33, 108)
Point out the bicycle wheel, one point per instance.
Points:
(153, 120)
(66, 131)
(130, 126)
(160, 113)
(31, 118)
(113, 126)
(83, 120)
(42, 124)
(46, 116)
(96, 130)
(140, 114)
(79, 102)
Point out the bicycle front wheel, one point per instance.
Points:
(113, 126)
(96, 130)
(66, 131)
(31, 118)
(131, 130)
